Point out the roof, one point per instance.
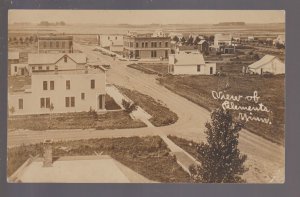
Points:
(189, 58)
(223, 37)
(78, 169)
(13, 55)
(52, 58)
(202, 41)
(265, 60)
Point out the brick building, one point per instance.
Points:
(146, 46)
(55, 44)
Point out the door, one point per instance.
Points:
(211, 70)
(100, 101)
(22, 71)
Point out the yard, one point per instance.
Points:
(159, 68)
(198, 89)
(148, 156)
(78, 120)
(161, 115)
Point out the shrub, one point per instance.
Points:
(128, 106)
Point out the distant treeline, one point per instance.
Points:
(230, 23)
(46, 23)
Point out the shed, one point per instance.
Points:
(267, 64)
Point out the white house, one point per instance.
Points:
(116, 46)
(191, 63)
(279, 40)
(19, 69)
(268, 63)
(74, 89)
(222, 40)
(48, 61)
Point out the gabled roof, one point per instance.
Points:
(47, 58)
(189, 58)
(202, 41)
(13, 55)
(263, 61)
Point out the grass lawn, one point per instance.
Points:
(148, 156)
(159, 69)
(79, 120)
(110, 103)
(161, 115)
(270, 90)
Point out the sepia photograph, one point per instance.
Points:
(146, 96)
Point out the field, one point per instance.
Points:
(198, 89)
(148, 156)
(158, 69)
(161, 115)
(78, 120)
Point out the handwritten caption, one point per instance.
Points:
(246, 112)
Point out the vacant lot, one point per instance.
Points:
(79, 120)
(198, 89)
(159, 69)
(148, 156)
(161, 115)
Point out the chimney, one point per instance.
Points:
(47, 162)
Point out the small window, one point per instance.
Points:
(66, 59)
(82, 96)
(211, 70)
(146, 44)
(47, 68)
(167, 44)
(72, 101)
(45, 85)
(48, 103)
(137, 45)
(92, 84)
(40, 68)
(68, 85)
(51, 85)
(20, 103)
(16, 69)
(198, 68)
(42, 102)
(143, 45)
(159, 44)
(33, 68)
(67, 100)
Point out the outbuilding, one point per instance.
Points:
(267, 64)
(191, 63)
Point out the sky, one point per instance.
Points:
(147, 16)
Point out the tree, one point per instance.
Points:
(183, 40)
(221, 161)
(190, 41)
(176, 39)
(211, 38)
(129, 107)
(197, 40)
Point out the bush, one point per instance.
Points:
(128, 106)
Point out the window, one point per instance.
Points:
(159, 44)
(136, 44)
(153, 44)
(198, 68)
(20, 103)
(72, 101)
(211, 70)
(167, 44)
(65, 59)
(82, 96)
(92, 84)
(42, 102)
(16, 69)
(68, 85)
(48, 103)
(146, 44)
(143, 45)
(45, 85)
(51, 85)
(67, 99)
(33, 68)
(153, 53)
(47, 68)
(40, 68)
(57, 44)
